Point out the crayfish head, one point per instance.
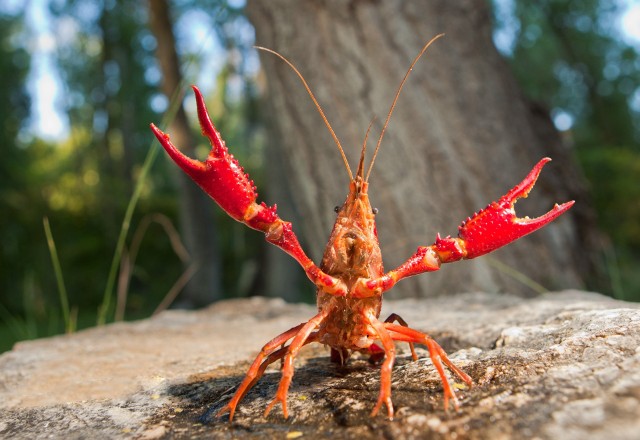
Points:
(353, 250)
(357, 207)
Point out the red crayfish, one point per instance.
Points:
(350, 279)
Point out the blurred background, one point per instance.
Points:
(97, 226)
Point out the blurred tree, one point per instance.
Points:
(461, 134)
(571, 58)
(14, 67)
(105, 62)
(232, 104)
(15, 219)
(105, 58)
(195, 208)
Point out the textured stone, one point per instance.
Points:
(564, 365)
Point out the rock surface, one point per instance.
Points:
(564, 365)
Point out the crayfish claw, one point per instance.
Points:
(220, 175)
(218, 147)
(497, 224)
(190, 166)
(522, 189)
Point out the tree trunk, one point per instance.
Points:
(461, 136)
(196, 217)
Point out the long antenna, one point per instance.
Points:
(360, 171)
(315, 101)
(395, 100)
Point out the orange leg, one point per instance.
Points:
(287, 368)
(276, 355)
(438, 356)
(387, 367)
(257, 369)
(395, 317)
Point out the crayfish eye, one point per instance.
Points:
(336, 209)
(375, 211)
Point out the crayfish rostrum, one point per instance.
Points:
(350, 280)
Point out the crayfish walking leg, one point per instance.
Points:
(437, 355)
(387, 367)
(300, 339)
(302, 335)
(395, 317)
(271, 352)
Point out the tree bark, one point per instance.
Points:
(196, 217)
(461, 136)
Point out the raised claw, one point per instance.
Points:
(497, 224)
(220, 175)
(224, 180)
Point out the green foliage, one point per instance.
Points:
(69, 321)
(85, 184)
(570, 56)
(15, 206)
(616, 171)
(565, 54)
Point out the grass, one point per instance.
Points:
(174, 104)
(32, 324)
(69, 320)
(516, 275)
(105, 308)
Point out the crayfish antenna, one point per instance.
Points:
(315, 101)
(395, 101)
(360, 172)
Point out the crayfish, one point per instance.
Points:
(350, 280)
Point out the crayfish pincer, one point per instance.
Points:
(350, 280)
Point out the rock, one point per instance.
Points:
(563, 365)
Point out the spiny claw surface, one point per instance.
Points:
(220, 175)
(497, 224)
